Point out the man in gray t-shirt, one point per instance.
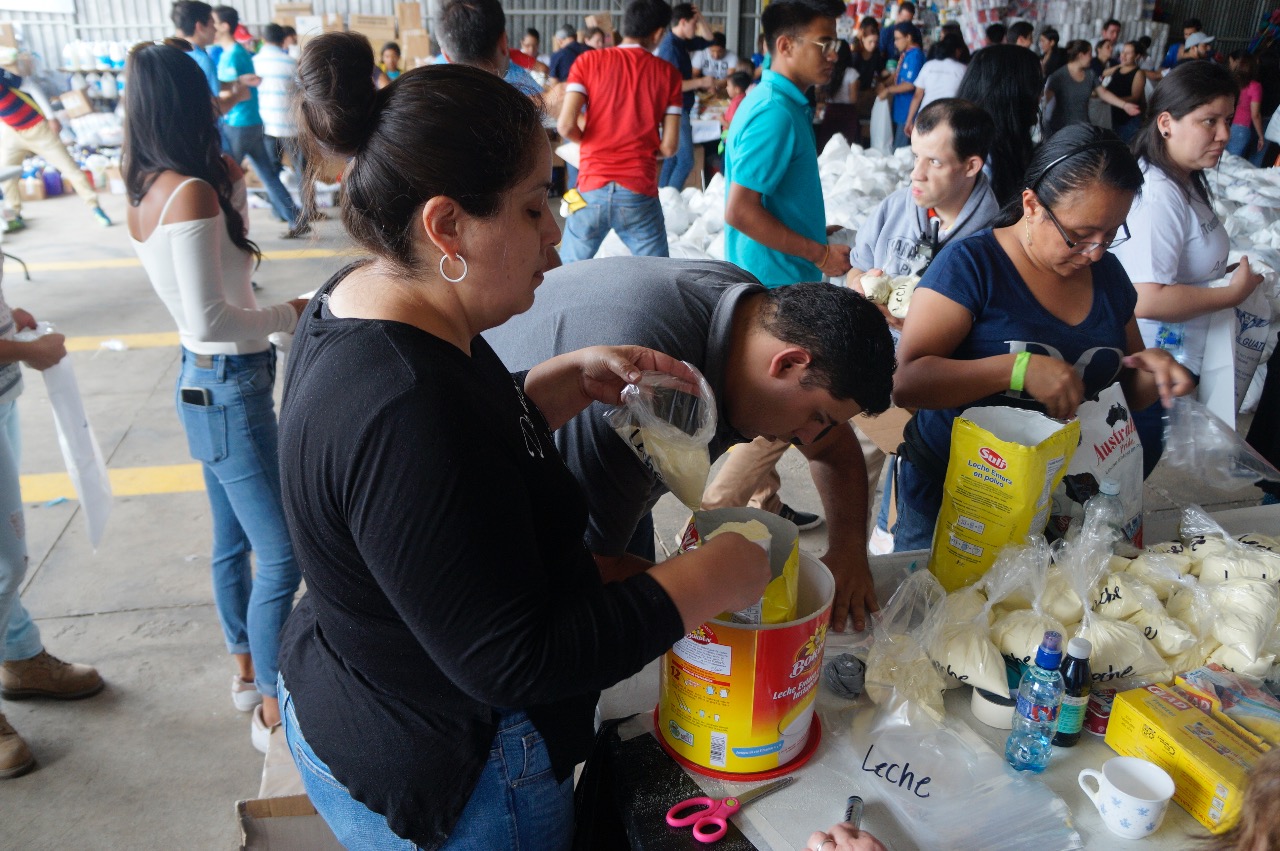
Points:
(794, 363)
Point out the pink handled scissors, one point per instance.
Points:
(709, 816)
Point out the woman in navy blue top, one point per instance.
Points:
(1034, 313)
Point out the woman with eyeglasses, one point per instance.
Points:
(1033, 313)
(1179, 245)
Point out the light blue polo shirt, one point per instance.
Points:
(771, 150)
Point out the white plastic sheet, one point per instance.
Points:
(80, 452)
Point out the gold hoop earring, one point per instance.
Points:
(445, 275)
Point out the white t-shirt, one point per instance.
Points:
(842, 94)
(717, 69)
(940, 78)
(1176, 240)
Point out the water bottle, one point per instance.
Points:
(1075, 698)
(1035, 718)
(1106, 510)
(1171, 337)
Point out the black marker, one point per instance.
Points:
(853, 811)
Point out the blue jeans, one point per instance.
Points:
(19, 636)
(1149, 423)
(637, 219)
(900, 137)
(675, 170)
(250, 142)
(1241, 141)
(516, 803)
(234, 438)
(919, 500)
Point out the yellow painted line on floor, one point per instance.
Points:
(125, 481)
(166, 339)
(133, 262)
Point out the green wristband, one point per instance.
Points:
(1019, 375)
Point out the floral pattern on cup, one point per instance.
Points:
(1132, 795)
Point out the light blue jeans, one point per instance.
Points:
(919, 500)
(1241, 143)
(252, 143)
(637, 219)
(234, 438)
(19, 636)
(517, 803)
(675, 170)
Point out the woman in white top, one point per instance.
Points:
(1179, 245)
(939, 77)
(187, 221)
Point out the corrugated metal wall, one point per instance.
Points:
(1232, 21)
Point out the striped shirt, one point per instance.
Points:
(16, 107)
(279, 72)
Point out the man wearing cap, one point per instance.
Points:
(1196, 47)
(569, 49)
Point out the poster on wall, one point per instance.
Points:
(58, 7)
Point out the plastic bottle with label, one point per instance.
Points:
(1075, 695)
(1171, 337)
(1035, 718)
(1105, 508)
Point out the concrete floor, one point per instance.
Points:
(159, 759)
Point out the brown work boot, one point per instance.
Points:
(47, 676)
(15, 756)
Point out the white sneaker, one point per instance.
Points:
(881, 542)
(244, 695)
(259, 732)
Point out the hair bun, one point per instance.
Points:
(337, 96)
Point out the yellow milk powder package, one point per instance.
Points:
(1005, 463)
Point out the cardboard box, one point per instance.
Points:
(76, 104)
(408, 18)
(415, 48)
(310, 26)
(1209, 765)
(286, 14)
(379, 29)
(8, 38)
(885, 430)
(32, 189)
(283, 824)
(115, 180)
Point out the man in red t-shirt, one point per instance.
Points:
(628, 93)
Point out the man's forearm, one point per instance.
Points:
(752, 219)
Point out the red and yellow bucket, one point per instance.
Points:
(737, 699)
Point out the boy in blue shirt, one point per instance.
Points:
(242, 124)
(907, 41)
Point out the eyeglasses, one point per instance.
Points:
(1087, 247)
(828, 45)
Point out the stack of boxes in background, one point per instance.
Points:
(406, 25)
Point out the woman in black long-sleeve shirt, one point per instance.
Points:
(439, 677)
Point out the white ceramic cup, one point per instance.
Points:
(1132, 795)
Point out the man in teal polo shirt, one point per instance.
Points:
(775, 220)
(776, 229)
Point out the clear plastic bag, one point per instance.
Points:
(957, 793)
(962, 646)
(1200, 444)
(668, 423)
(1121, 652)
(1018, 633)
(1217, 557)
(899, 675)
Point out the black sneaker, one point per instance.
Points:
(803, 519)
